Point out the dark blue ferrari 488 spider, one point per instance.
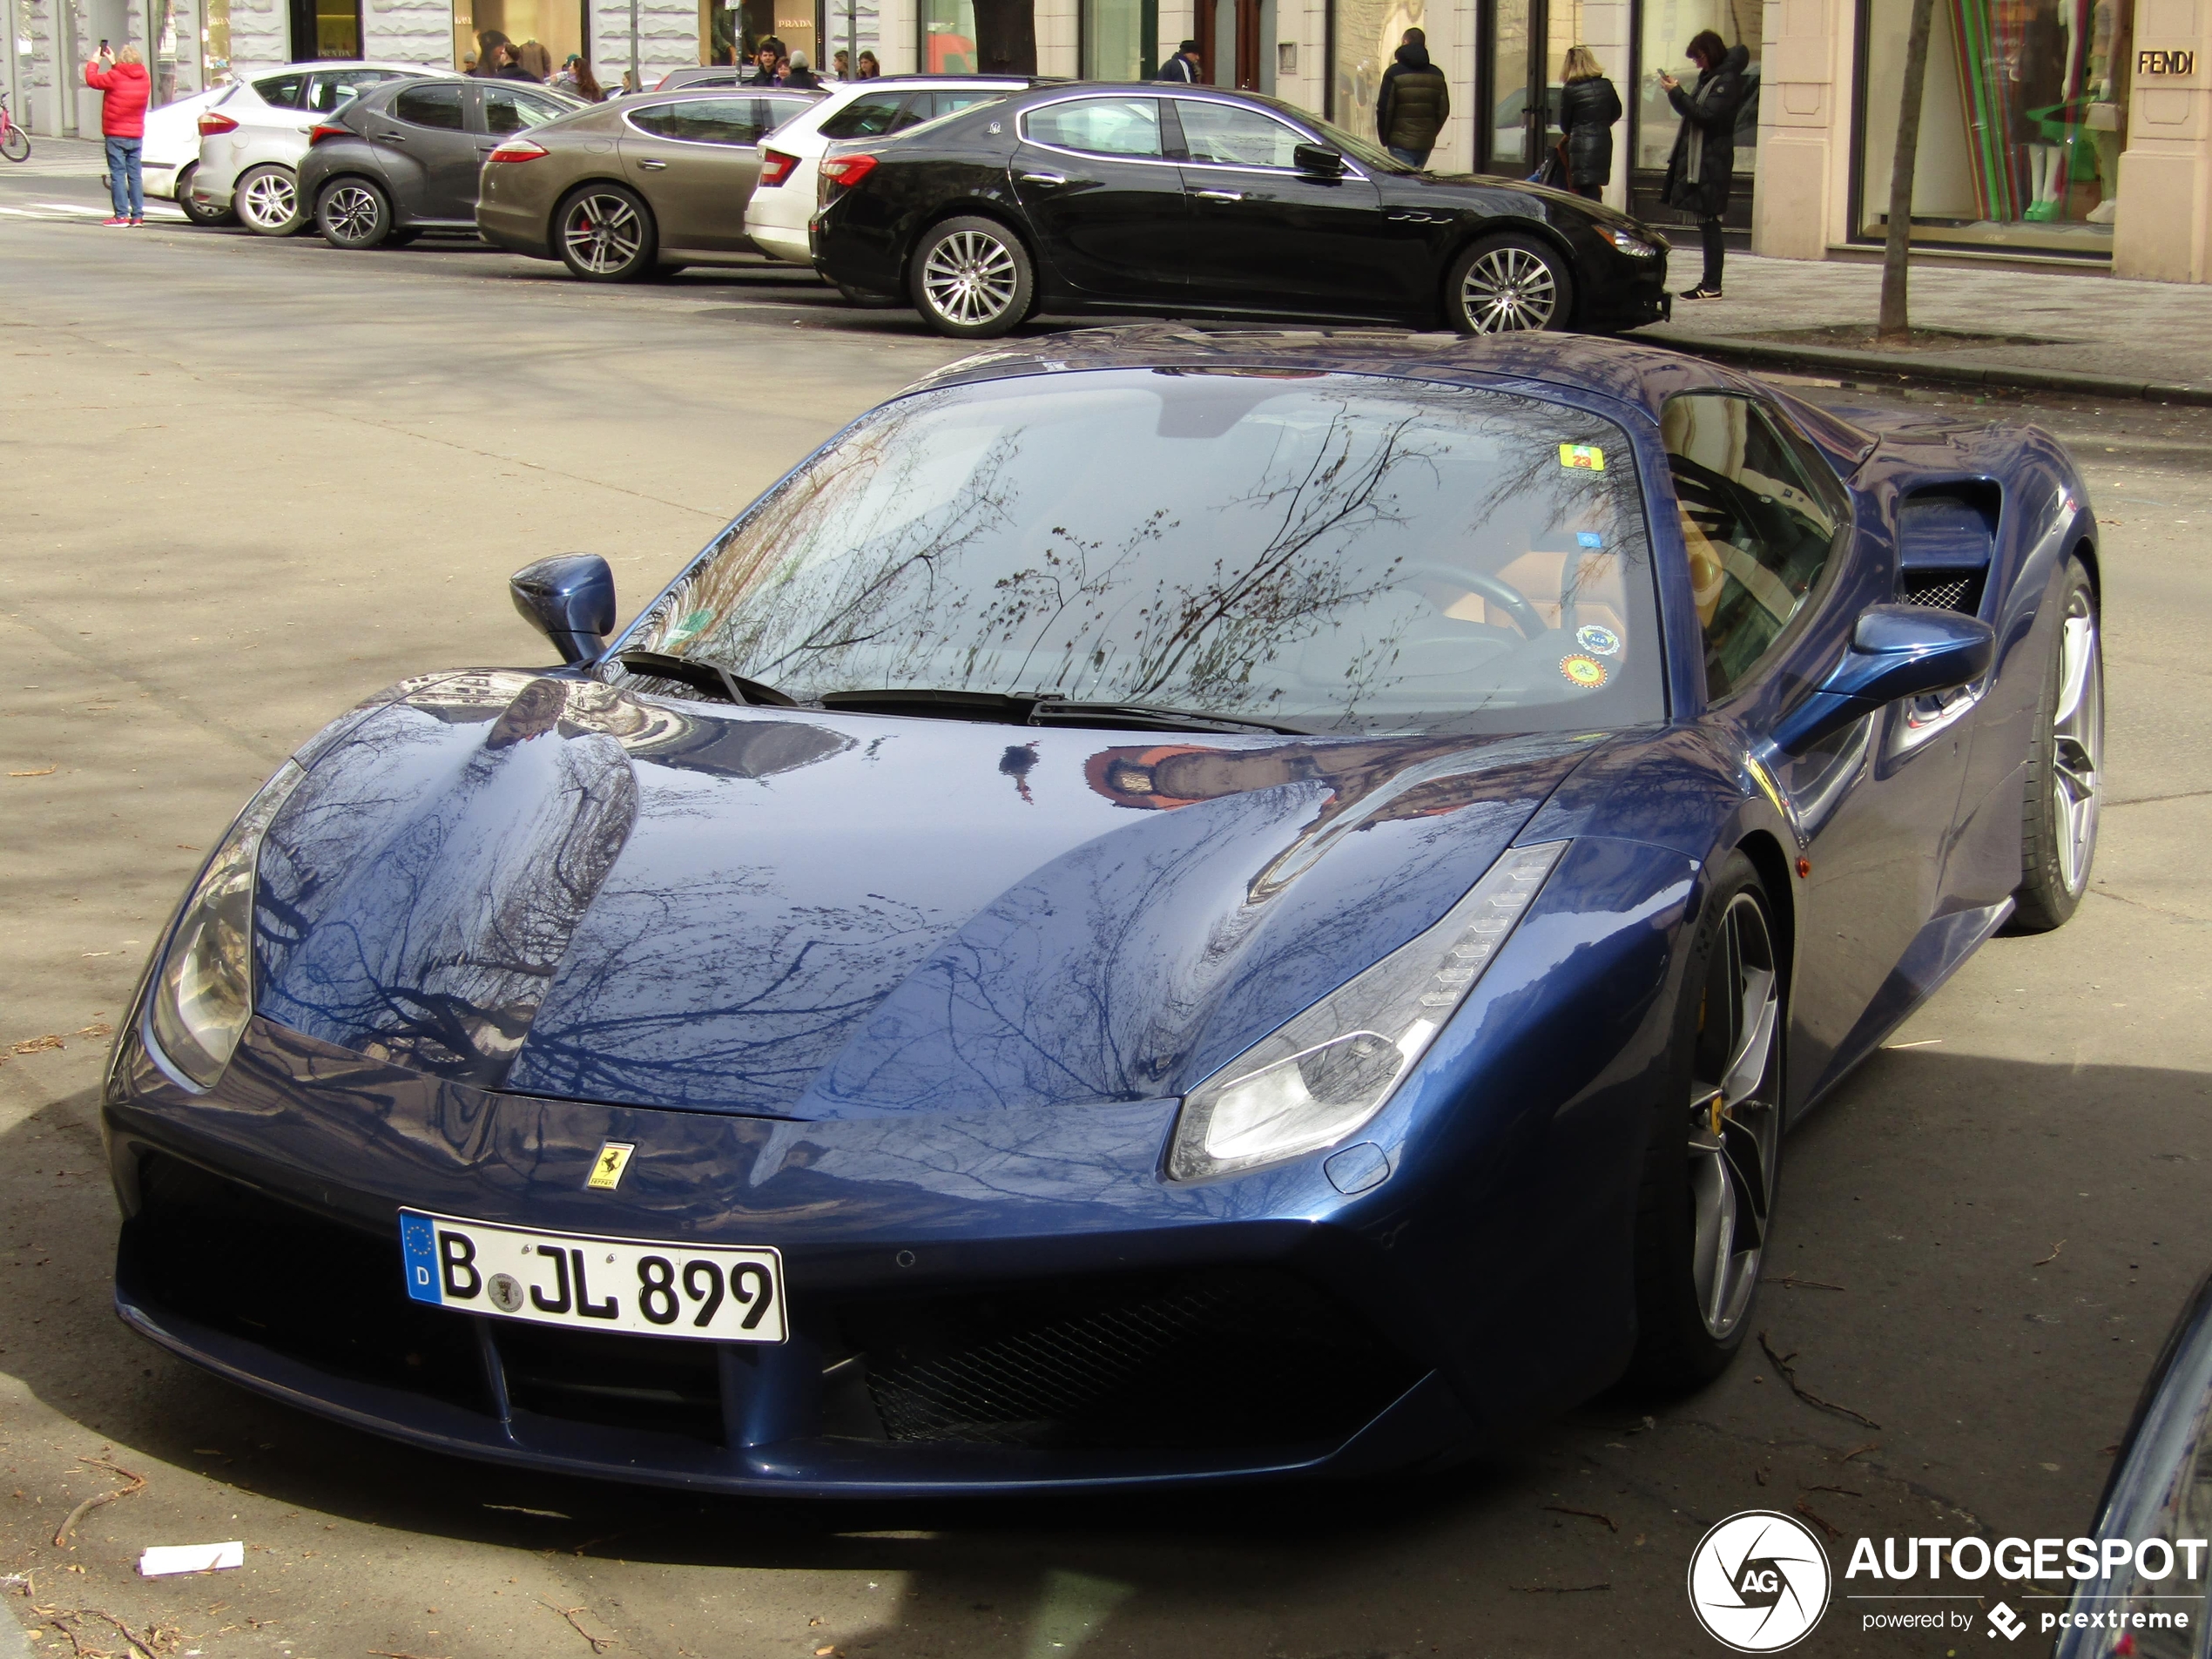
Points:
(1169, 905)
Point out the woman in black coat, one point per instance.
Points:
(1588, 106)
(1698, 172)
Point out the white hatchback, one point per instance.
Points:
(251, 142)
(775, 218)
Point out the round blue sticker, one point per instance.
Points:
(1603, 641)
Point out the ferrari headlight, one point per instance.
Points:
(1635, 247)
(203, 992)
(1323, 1074)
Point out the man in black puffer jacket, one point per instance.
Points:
(1414, 104)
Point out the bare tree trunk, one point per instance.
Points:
(1896, 327)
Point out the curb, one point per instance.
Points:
(1910, 366)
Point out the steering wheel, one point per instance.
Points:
(1504, 595)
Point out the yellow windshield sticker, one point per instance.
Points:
(1585, 672)
(1582, 458)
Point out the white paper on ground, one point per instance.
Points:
(160, 1560)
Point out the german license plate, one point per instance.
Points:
(710, 1292)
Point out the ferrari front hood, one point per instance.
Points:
(544, 884)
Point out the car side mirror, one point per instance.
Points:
(1896, 651)
(1319, 160)
(569, 599)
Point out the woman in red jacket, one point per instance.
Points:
(122, 80)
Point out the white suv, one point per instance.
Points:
(775, 218)
(250, 143)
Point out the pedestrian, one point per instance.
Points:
(869, 67)
(801, 72)
(536, 61)
(468, 64)
(1183, 66)
(121, 77)
(1705, 155)
(575, 78)
(761, 72)
(484, 60)
(506, 65)
(629, 87)
(1415, 102)
(841, 64)
(1589, 105)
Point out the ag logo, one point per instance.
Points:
(1758, 1581)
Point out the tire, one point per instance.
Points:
(605, 233)
(353, 213)
(266, 201)
(971, 279)
(17, 145)
(1506, 285)
(2066, 754)
(1707, 1198)
(207, 217)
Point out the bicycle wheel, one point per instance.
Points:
(14, 144)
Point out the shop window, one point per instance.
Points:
(560, 26)
(948, 37)
(326, 29)
(1669, 26)
(1121, 40)
(2022, 120)
(215, 43)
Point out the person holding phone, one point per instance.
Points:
(1701, 168)
(124, 86)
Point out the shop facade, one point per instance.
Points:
(2078, 132)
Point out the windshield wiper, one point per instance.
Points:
(704, 677)
(1003, 708)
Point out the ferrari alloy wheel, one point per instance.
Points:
(1508, 284)
(972, 279)
(268, 201)
(1735, 1118)
(1714, 1148)
(2064, 785)
(353, 213)
(605, 233)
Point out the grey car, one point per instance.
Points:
(620, 191)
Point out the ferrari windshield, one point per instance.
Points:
(1320, 552)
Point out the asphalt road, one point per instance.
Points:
(334, 464)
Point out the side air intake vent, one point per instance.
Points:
(1946, 537)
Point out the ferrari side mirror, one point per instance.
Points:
(571, 600)
(1319, 160)
(1896, 651)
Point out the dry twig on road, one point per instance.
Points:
(599, 1644)
(1609, 1524)
(1781, 1366)
(1829, 1527)
(69, 1523)
(1791, 1282)
(2053, 1257)
(1556, 1589)
(1860, 1451)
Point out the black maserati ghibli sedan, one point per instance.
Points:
(1106, 198)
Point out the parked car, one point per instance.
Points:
(776, 216)
(172, 153)
(619, 191)
(2158, 1494)
(1206, 202)
(1142, 917)
(251, 140)
(403, 158)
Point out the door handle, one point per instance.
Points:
(652, 166)
(391, 137)
(1044, 178)
(1219, 195)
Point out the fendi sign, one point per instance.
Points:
(2165, 63)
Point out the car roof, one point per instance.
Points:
(1640, 375)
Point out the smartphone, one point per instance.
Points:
(103, 51)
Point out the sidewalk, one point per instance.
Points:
(2054, 331)
(59, 159)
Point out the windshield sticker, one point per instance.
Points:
(1603, 641)
(697, 623)
(1582, 458)
(1589, 538)
(1585, 672)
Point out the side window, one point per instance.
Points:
(333, 89)
(953, 102)
(868, 116)
(703, 120)
(1103, 127)
(1759, 526)
(509, 110)
(283, 91)
(769, 113)
(1237, 138)
(429, 106)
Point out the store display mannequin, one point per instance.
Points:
(2042, 73)
(2109, 63)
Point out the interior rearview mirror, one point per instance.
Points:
(1896, 651)
(1317, 159)
(570, 599)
